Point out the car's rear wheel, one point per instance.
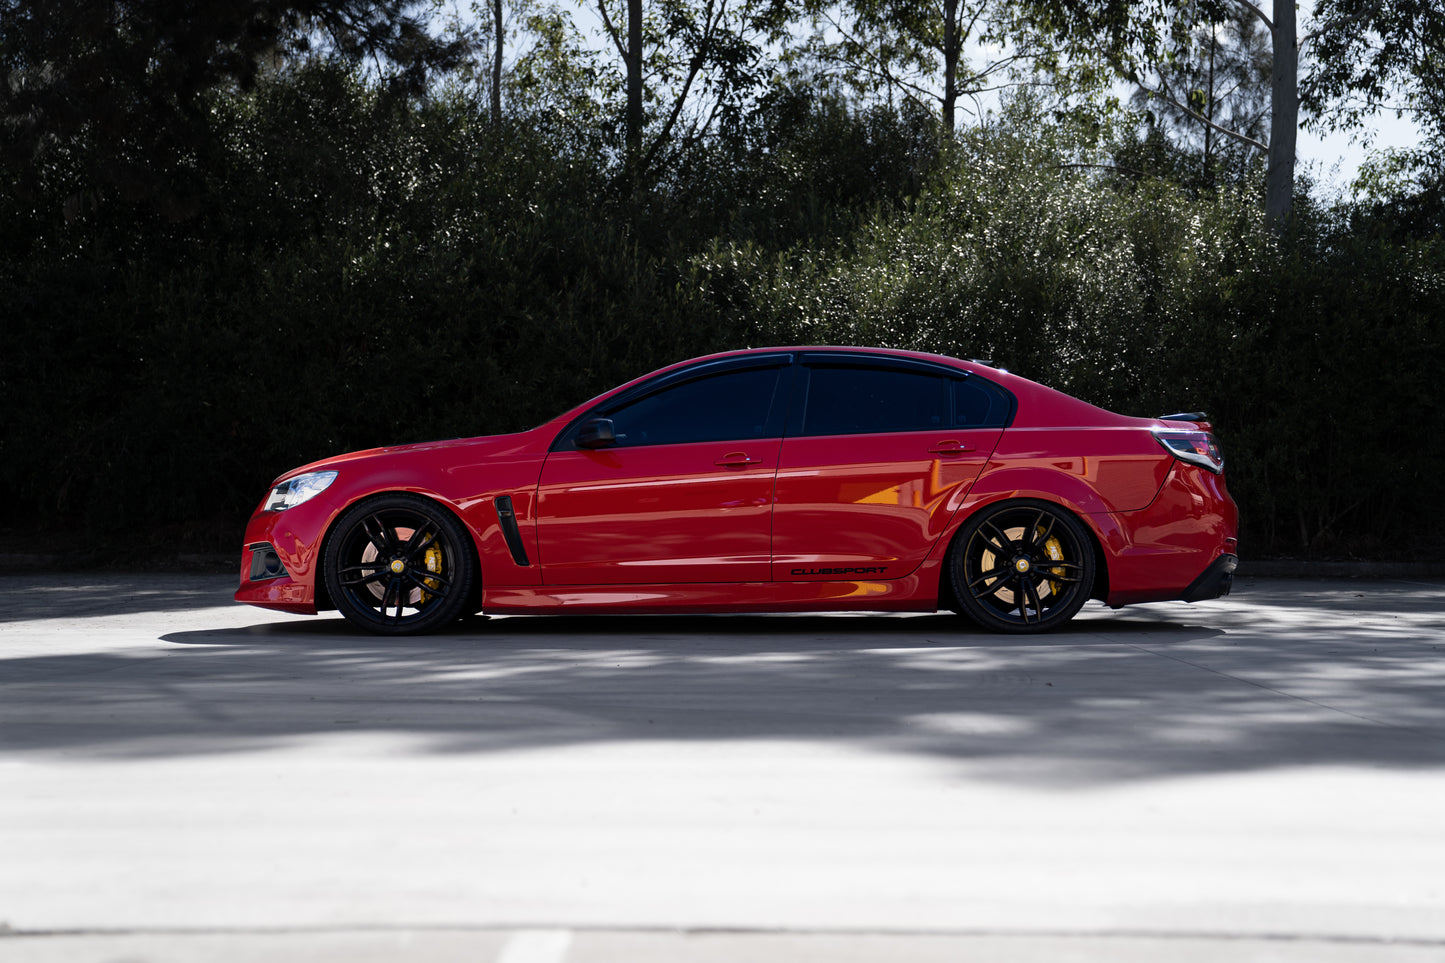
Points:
(399, 565)
(1022, 566)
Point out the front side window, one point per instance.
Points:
(846, 401)
(731, 406)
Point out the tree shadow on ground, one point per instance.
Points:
(1282, 675)
(34, 597)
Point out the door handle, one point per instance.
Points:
(950, 447)
(735, 458)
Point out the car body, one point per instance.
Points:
(765, 480)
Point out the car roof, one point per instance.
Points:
(1038, 404)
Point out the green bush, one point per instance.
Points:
(1314, 352)
(359, 269)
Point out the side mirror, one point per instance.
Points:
(597, 433)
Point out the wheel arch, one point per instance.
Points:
(323, 594)
(947, 598)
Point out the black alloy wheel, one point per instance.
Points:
(1022, 566)
(399, 565)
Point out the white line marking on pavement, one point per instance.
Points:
(536, 946)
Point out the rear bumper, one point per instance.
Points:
(1183, 546)
(1214, 582)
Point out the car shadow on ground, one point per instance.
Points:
(588, 631)
(1281, 675)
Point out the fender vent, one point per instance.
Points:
(508, 520)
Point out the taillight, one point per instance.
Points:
(1195, 447)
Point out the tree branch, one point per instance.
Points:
(695, 63)
(1251, 8)
(701, 127)
(870, 65)
(907, 87)
(996, 66)
(1356, 20)
(611, 29)
(881, 70)
(1243, 138)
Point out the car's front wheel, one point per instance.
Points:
(1022, 566)
(399, 565)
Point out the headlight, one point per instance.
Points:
(294, 491)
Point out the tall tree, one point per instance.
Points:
(1225, 83)
(902, 48)
(1141, 37)
(499, 44)
(694, 59)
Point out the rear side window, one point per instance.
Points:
(978, 404)
(845, 401)
(725, 407)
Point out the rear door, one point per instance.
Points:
(878, 456)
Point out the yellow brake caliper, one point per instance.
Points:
(433, 559)
(1056, 552)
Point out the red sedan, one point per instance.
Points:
(775, 480)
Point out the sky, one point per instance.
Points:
(1334, 158)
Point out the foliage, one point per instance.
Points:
(562, 82)
(1372, 55)
(1221, 78)
(686, 64)
(1016, 253)
(363, 270)
(1138, 297)
(363, 267)
(123, 83)
(1146, 41)
(802, 166)
(898, 50)
(1390, 56)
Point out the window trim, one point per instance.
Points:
(808, 361)
(1011, 402)
(566, 439)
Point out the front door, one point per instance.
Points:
(684, 494)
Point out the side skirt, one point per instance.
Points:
(914, 593)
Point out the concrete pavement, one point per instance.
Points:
(1254, 778)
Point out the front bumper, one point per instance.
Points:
(284, 592)
(293, 537)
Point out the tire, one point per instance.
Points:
(1022, 566)
(399, 565)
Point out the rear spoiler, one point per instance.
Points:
(1198, 417)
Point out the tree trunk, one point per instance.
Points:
(499, 40)
(1284, 116)
(634, 84)
(1206, 172)
(951, 47)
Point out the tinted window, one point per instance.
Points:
(978, 404)
(724, 407)
(844, 401)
